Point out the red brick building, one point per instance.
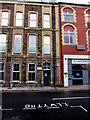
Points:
(74, 44)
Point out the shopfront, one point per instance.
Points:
(76, 70)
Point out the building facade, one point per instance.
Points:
(44, 43)
(75, 44)
(27, 42)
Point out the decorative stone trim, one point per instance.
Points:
(68, 24)
(87, 39)
(74, 12)
(85, 17)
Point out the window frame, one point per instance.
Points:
(19, 19)
(15, 72)
(33, 44)
(2, 71)
(68, 32)
(16, 43)
(36, 21)
(3, 42)
(31, 81)
(46, 44)
(68, 16)
(46, 21)
(5, 18)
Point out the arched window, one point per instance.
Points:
(69, 35)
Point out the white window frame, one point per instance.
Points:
(15, 72)
(31, 72)
(69, 34)
(17, 43)
(46, 44)
(32, 44)
(3, 42)
(19, 19)
(4, 18)
(33, 20)
(68, 15)
(2, 71)
(45, 22)
(88, 18)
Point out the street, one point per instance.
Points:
(46, 105)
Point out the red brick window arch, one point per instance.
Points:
(69, 35)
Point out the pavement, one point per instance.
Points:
(44, 89)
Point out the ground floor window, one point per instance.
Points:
(16, 72)
(1, 71)
(31, 71)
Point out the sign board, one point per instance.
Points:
(80, 61)
(80, 47)
(39, 68)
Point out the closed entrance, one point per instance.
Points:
(46, 74)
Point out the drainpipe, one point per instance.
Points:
(54, 41)
(60, 43)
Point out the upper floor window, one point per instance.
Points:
(46, 44)
(32, 44)
(3, 42)
(16, 72)
(68, 16)
(89, 39)
(17, 44)
(46, 21)
(19, 18)
(4, 19)
(33, 22)
(88, 18)
(1, 71)
(31, 72)
(69, 37)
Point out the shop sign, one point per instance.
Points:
(80, 61)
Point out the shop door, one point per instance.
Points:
(46, 78)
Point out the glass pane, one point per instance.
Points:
(47, 49)
(66, 39)
(89, 39)
(46, 17)
(1, 66)
(17, 48)
(4, 22)
(2, 47)
(18, 22)
(15, 75)
(1, 75)
(47, 40)
(32, 39)
(33, 17)
(46, 24)
(16, 67)
(3, 38)
(31, 67)
(32, 23)
(32, 48)
(19, 16)
(5, 15)
(31, 76)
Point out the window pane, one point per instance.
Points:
(68, 16)
(47, 49)
(31, 67)
(32, 48)
(1, 75)
(2, 42)
(17, 44)
(2, 47)
(46, 17)
(1, 66)
(89, 39)
(46, 24)
(46, 40)
(5, 15)
(18, 22)
(46, 21)
(17, 48)
(16, 67)
(31, 76)
(88, 18)
(4, 22)
(3, 38)
(15, 75)
(32, 23)
(33, 17)
(66, 39)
